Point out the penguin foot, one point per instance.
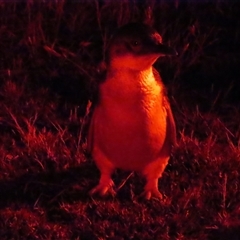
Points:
(151, 189)
(103, 189)
(152, 193)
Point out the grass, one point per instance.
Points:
(50, 61)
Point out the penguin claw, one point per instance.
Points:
(103, 190)
(151, 194)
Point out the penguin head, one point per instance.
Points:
(136, 46)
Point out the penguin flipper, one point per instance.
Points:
(90, 135)
(171, 126)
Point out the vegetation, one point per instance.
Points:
(50, 63)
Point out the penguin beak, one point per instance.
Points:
(165, 50)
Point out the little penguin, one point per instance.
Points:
(132, 126)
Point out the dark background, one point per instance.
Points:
(206, 35)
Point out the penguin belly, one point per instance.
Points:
(129, 134)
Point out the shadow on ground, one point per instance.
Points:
(48, 188)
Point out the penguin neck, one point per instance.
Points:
(131, 78)
(130, 84)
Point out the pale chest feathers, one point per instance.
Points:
(132, 92)
(131, 118)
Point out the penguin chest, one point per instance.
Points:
(130, 131)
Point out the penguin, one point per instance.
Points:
(132, 126)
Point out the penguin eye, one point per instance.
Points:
(135, 45)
